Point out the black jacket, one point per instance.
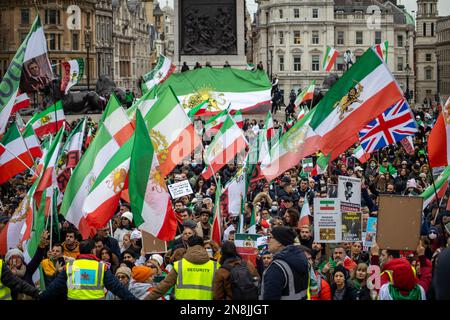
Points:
(112, 244)
(17, 285)
(274, 280)
(58, 287)
(349, 294)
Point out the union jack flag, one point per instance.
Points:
(394, 124)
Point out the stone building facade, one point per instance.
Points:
(443, 51)
(104, 37)
(291, 37)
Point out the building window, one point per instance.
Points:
(429, 74)
(281, 60)
(359, 15)
(400, 64)
(359, 37)
(428, 57)
(25, 16)
(296, 13)
(432, 29)
(52, 16)
(340, 63)
(281, 13)
(315, 37)
(297, 37)
(315, 63)
(424, 29)
(340, 38)
(297, 63)
(399, 41)
(52, 41)
(75, 42)
(88, 20)
(315, 13)
(377, 37)
(281, 36)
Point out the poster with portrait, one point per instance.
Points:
(327, 220)
(36, 74)
(351, 226)
(332, 190)
(369, 237)
(349, 192)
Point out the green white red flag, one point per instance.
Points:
(14, 155)
(73, 72)
(360, 154)
(22, 102)
(215, 122)
(306, 94)
(74, 145)
(382, 50)
(172, 132)
(366, 90)
(305, 213)
(163, 69)
(216, 234)
(48, 121)
(149, 198)
(441, 184)
(237, 117)
(439, 139)
(329, 58)
(116, 121)
(32, 142)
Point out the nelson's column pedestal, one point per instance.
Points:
(209, 30)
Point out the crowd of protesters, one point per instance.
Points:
(293, 266)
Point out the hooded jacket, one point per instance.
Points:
(274, 281)
(73, 253)
(196, 255)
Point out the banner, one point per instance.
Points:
(327, 220)
(349, 192)
(351, 226)
(180, 189)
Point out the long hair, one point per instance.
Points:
(228, 251)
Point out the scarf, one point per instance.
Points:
(314, 282)
(414, 294)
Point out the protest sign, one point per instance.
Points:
(152, 244)
(247, 246)
(399, 222)
(349, 192)
(307, 165)
(332, 191)
(327, 220)
(262, 243)
(369, 237)
(351, 226)
(180, 189)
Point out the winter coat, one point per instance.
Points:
(325, 291)
(362, 292)
(196, 255)
(17, 285)
(58, 287)
(349, 294)
(222, 284)
(275, 282)
(140, 289)
(199, 230)
(112, 244)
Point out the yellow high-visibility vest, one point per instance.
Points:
(85, 280)
(5, 292)
(195, 281)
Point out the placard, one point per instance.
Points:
(327, 220)
(351, 226)
(247, 246)
(399, 222)
(180, 189)
(369, 237)
(332, 190)
(152, 244)
(307, 165)
(349, 192)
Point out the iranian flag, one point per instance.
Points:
(236, 192)
(103, 198)
(268, 126)
(306, 94)
(149, 198)
(237, 117)
(305, 214)
(33, 46)
(249, 92)
(74, 145)
(361, 94)
(14, 230)
(382, 50)
(227, 143)
(296, 144)
(32, 142)
(163, 69)
(48, 121)
(88, 138)
(215, 122)
(22, 102)
(102, 148)
(216, 234)
(360, 154)
(172, 131)
(14, 155)
(321, 165)
(439, 139)
(47, 180)
(328, 205)
(301, 113)
(73, 70)
(441, 184)
(116, 121)
(145, 103)
(329, 58)
(199, 110)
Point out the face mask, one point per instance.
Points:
(372, 165)
(274, 208)
(210, 252)
(432, 236)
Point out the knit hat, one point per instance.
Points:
(135, 235)
(411, 183)
(128, 215)
(124, 270)
(157, 258)
(13, 252)
(190, 224)
(284, 235)
(142, 273)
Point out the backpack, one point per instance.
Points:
(243, 285)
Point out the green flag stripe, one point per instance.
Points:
(158, 113)
(12, 134)
(327, 202)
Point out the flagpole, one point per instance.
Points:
(51, 222)
(34, 173)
